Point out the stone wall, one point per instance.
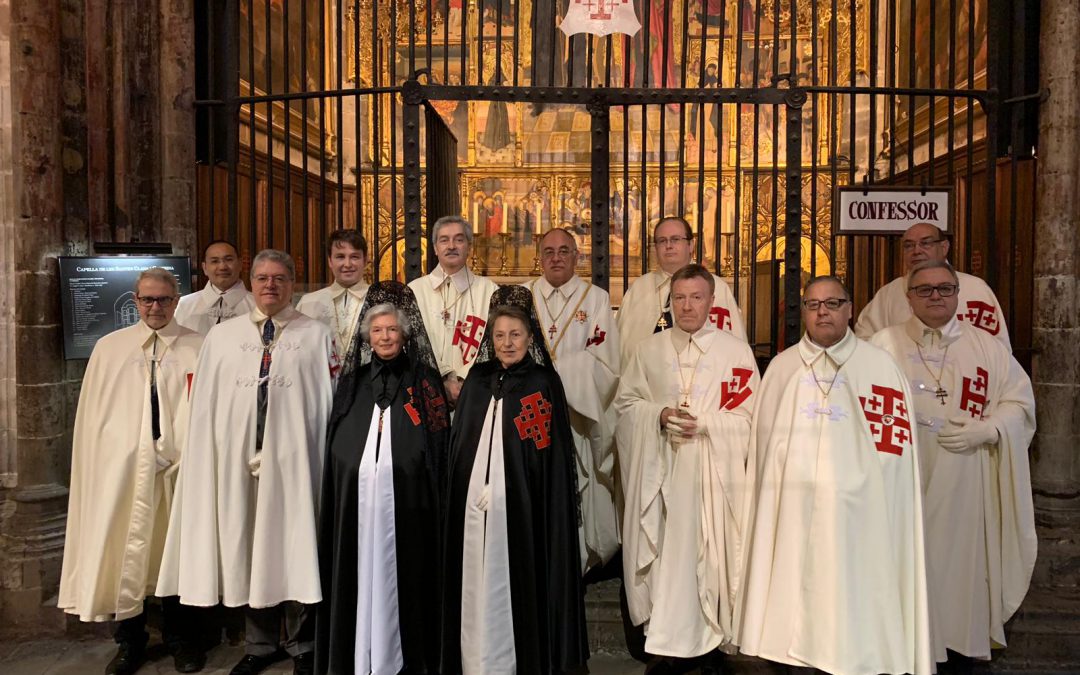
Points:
(97, 128)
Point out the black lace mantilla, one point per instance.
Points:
(521, 297)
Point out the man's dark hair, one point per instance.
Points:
(675, 219)
(694, 271)
(826, 277)
(351, 237)
(220, 241)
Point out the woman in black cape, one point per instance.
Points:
(513, 591)
(381, 513)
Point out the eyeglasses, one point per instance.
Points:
(922, 244)
(147, 301)
(266, 278)
(926, 290)
(831, 304)
(674, 241)
(561, 252)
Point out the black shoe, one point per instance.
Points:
(304, 664)
(128, 659)
(188, 659)
(253, 665)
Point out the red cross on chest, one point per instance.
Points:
(534, 422)
(887, 415)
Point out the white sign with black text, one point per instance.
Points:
(892, 209)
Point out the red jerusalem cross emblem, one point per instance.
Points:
(736, 390)
(467, 334)
(721, 318)
(887, 415)
(973, 397)
(597, 337)
(535, 420)
(981, 315)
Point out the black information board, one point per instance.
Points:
(97, 295)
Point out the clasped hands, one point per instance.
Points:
(681, 425)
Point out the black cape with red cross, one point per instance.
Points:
(419, 429)
(546, 591)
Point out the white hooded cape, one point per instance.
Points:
(200, 312)
(835, 571)
(980, 520)
(118, 508)
(682, 524)
(234, 537)
(455, 340)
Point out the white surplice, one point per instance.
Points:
(339, 309)
(455, 312)
(977, 306)
(234, 536)
(980, 521)
(378, 631)
(835, 576)
(684, 499)
(643, 305)
(584, 346)
(121, 479)
(487, 617)
(204, 309)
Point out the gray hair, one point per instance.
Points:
(383, 310)
(932, 265)
(158, 274)
(274, 255)
(826, 277)
(448, 220)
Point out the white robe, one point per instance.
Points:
(980, 520)
(248, 540)
(118, 508)
(585, 349)
(978, 306)
(200, 311)
(835, 573)
(643, 303)
(339, 309)
(684, 499)
(455, 339)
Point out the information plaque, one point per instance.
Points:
(97, 295)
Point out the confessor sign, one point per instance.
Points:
(892, 209)
(600, 17)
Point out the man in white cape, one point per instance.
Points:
(977, 304)
(338, 305)
(579, 331)
(975, 414)
(453, 302)
(684, 406)
(646, 307)
(244, 521)
(224, 295)
(130, 429)
(835, 575)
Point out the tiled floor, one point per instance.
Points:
(88, 657)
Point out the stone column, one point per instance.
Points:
(1055, 469)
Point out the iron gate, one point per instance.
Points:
(743, 116)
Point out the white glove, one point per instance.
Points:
(484, 499)
(254, 464)
(162, 462)
(683, 428)
(963, 434)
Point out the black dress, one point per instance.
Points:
(547, 600)
(418, 428)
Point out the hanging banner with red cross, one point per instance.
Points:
(534, 422)
(735, 391)
(887, 414)
(600, 17)
(721, 318)
(981, 315)
(973, 396)
(467, 334)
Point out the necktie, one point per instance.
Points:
(220, 307)
(264, 372)
(155, 408)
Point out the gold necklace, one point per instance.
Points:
(446, 292)
(688, 389)
(940, 392)
(824, 408)
(554, 329)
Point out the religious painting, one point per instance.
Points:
(279, 37)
